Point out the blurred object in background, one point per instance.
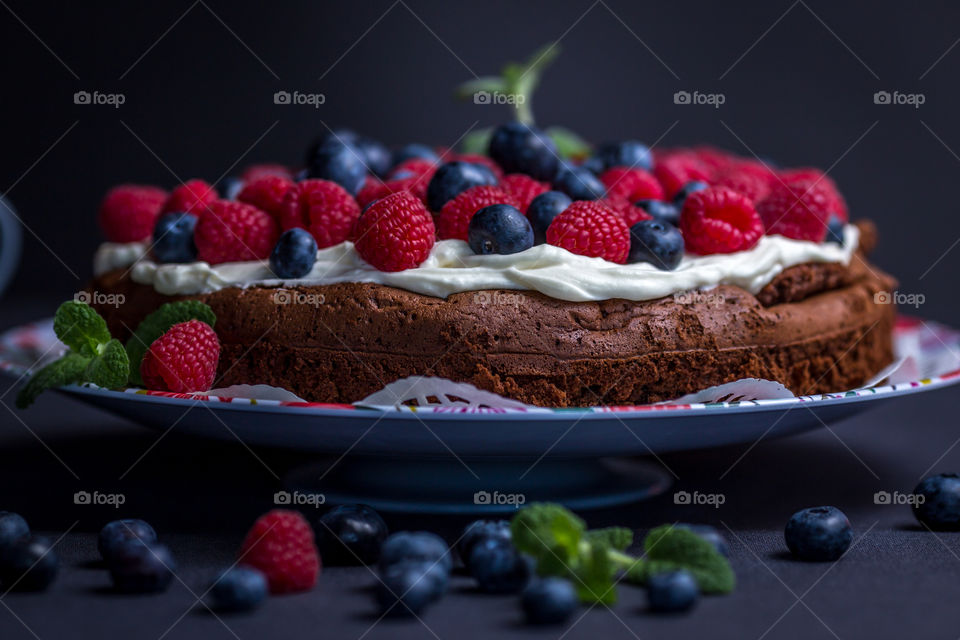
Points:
(11, 239)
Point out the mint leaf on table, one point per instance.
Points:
(81, 328)
(669, 548)
(158, 323)
(66, 370)
(111, 369)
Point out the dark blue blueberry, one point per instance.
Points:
(498, 567)
(335, 136)
(658, 243)
(173, 237)
(939, 507)
(835, 230)
(407, 587)
(549, 601)
(415, 545)
(452, 179)
(629, 153)
(521, 148)
(579, 184)
(411, 151)
(239, 589)
(491, 176)
(818, 533)
(479, 530)
(141, 567)
(13, 529)
(594, 164)
(29, 564)
(294, 254)
(116, 533)
(375, 155)
(339, 162)
(543, 209)
(350, 534)
(710, 534)
(501, 229)
(230, 187)
(660, 210)
(672, 592)
(686, 190)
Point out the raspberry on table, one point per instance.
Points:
(266, 193)
(323, 208)
(129, 212)
(281, 546)
(234, 232)
(719, 220)
(632, 184)
(677, 169)
(454, 218)
(395, 233)
(798, 209)
(182, 360)
(192, 196)
(523, 188)
(590, 228)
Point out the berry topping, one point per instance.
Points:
(239, 589)
(375, 155)
(691, 187)
(543, 210)
(395, 233)
(412, 167)
(173, 237)
(797, 211)
(678, 169)
(476, 158)
(660, 210)
(658, 243)
(266, 193)
(549, 601)
(523, 188)
(414, 151)
(591, 229)
(818, 533)
(719, 220)
(323, 208)
(672, 591)
(632, 184)
(234, 232)
(521, 148)
(940, 506)
(29, 564)
(579, 184)
(454, 218)
(819, 183)
(141, 567)
(294, 255)
(182, 360)
(350, 534)
(628, 153)
(257, 171)
(835, 228)
(500, 229)
(452, 179)
(498, 567)
(280, 545)
(129, 211)
(192, 196)
(630, 213)
(339, 161)
(752, 179)
(117, 533)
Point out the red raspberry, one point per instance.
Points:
(678, 169)
(374, 189)
(234, 232)
(323, 208)
(413, 166)
(454, 218)
(715, 160)
(192, 196)
(798, 211)
(630, 213)
(395, 233)
(280, 545)
(632, 184)
(752, 179)
(266, 193)
(129, 211)
(820, 184)
(182, 360)
(591, 228)
(719, 220)
(257, 171)
(523, 188)
(476, 158)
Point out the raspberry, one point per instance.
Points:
(280, 545)
(234, 232)
(797, 211)
(632, 184)
(820, 184)
(266, 193)
(182, 360)
(719, 220)
(590, 228)
(256, 171)
(129, 211)
(412, 167)
(454, 218)
(395, 233)
(373, 189)
(323, 208)
(192, 196)
(523, 188)
(677, 169)
(715, 160)
(477, 158)
(630, 213)
(751, 179)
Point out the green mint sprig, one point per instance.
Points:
(158, 323)
(562, 546)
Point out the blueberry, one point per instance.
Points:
(339, 162)
(375, 155)
(818, 533)
(480, 530)
(521, 148)
(351, 534)
(239, 589)
(230, 187)
(594, 164)
(13, 529)
(835, 230)
(658, 243)
(29, 564)
(686, 190)
(116, 533)
(543, 209)
(499, 228)
(710, 534)
(417, 545)
(453, 178)
(629, 153)
(672, 592)
(407, 587)
(940, 505)
(411, 151)
(487, 171)
(660, 210)
(549, 601)
(294, 254)
(579, 184)
(141, 567)
(498, 567)
(327, 137)
(173, 237)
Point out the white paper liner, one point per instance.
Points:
(446, 392)
(737, 391)
(253, 392)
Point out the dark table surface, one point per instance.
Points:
(898, 580)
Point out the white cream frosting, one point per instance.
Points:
(452, 268)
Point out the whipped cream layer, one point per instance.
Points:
(453, 268)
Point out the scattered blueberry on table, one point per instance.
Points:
(13, 528)
(415, 545)
(29, 564)
(549, 601)
(939, 507)
(239, 589)
(498, 567)
(672, 592)
(818, 534)
(137, 566)
(711, 535)
(408, 586)
(118, 532)
(350, 534)
(480, 530)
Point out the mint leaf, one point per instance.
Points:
(594, 575)
(618, 538)
(66, 370)
(81, 328)
(569, 144)
(477, 141)
(669, 548)
(158, 323)
(111, 369)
